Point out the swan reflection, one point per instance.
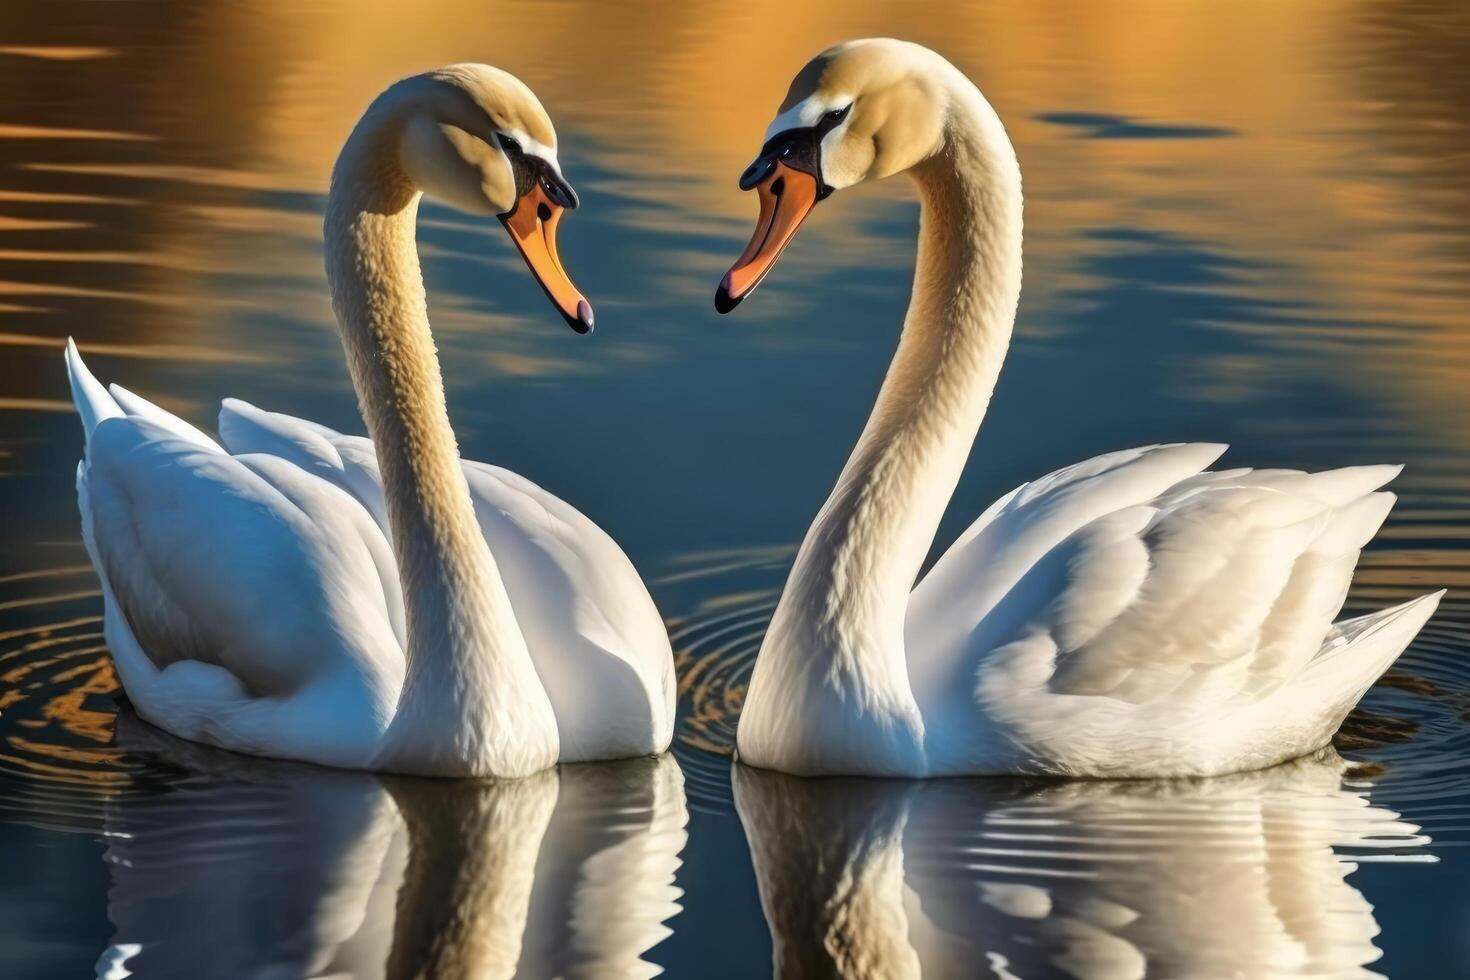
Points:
(254, 868)
(1231, 876)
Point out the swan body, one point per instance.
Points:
(1134, 615)
(292, 592)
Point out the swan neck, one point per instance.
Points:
(859, 561)
(466, 658)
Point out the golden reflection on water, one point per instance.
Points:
(1338, 162)
(54, 52)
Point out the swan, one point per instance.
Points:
(1134, 615)
(292, 592)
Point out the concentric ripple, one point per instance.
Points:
(732, 596)
(58, 699)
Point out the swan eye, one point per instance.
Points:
(837, 115)
(509, 143)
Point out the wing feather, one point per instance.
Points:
(1009, 541)
(241, 564)
(599, 643)
(140, 407)
(1138, 597)
(91, 399)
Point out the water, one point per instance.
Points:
(1245, 222)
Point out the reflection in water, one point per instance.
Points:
(267, 869)
(1234, 876)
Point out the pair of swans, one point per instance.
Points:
(385, 605)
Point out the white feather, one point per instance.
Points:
(91, 399)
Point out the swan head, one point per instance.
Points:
(477, 139)
(861, 110)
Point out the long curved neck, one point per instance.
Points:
(470, 682)
(841, 617)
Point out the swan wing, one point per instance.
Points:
(987, 561)
(1137, 628)
(597, 638)
(348, 462)
(598, 641)
(249, 603)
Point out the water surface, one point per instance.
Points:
(1245, 223)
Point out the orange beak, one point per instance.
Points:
(787, 196)
(532, 226)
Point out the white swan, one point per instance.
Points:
(253, 600)
(1132, 615)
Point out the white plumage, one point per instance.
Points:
(377, 603)
(252, 600)
(1134, 615)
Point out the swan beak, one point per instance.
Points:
(532, 226)
(787, 196)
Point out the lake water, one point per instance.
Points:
(1246, 222)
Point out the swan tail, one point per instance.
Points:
(1352, 526)
(96, 403)
(1354, 655)
(1357, 651)
(1300, 628)
(93, 403)
(1347, 484)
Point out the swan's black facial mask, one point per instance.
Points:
(542, 197)
(788, 176)
(528, 170)
(799, 149)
